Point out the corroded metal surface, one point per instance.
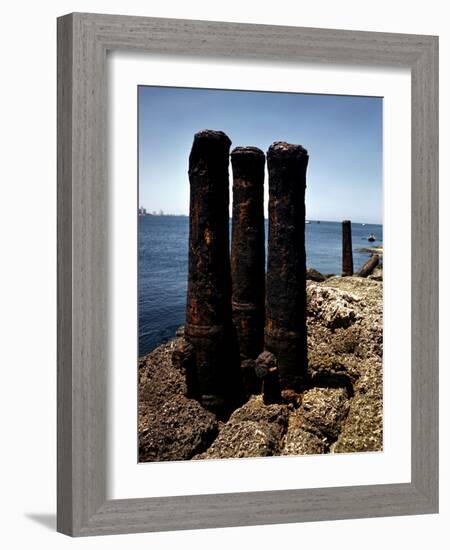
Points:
(251, 384)
(285, 329)
(369, 266)
(248, 250)
(209, 325)
(347, 253)
(183, 359)
(266, 370)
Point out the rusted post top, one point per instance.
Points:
(209, 138)
(248, 166)
(247, 149)
(210, 151)
(248, 152)
(285, 150)
(347, 251)
(248, 249)
(286, 275)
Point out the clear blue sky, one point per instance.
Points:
(343, 136)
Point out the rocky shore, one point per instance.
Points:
(341, 411)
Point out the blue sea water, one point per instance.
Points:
(163, 255)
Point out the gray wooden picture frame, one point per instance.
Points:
(83, 41)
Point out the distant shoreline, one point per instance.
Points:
(309, 221)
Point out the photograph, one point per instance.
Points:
(260, 274)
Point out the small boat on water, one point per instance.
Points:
(307, 221)
(371, 238)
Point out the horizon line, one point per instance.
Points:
(169, 214)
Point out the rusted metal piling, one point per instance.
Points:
(347, 253)
(209, 325)
(266, 370)
(248, 250)
(369, 266)
(285, 329)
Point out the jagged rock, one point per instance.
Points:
(252, 430)
(345, 341)
(377, 274)
(369, 293)
(177, 430)
(301, 442)
(362, 430)
(317, 423)
(328, 368)
(242, 440)
(369, 327)
(335, 308)
(314, 275)
(171, 426)
(275, 415)
(323, 410)
(158, 379)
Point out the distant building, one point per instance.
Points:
(142, 211)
